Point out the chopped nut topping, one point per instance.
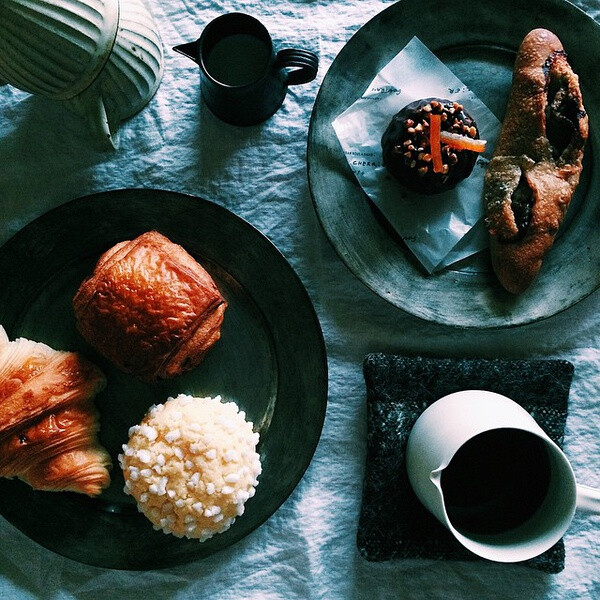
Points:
(415, 146)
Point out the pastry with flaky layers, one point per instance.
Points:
(150, 308)
(48, 422)
(536, 165)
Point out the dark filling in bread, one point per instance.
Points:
(562, 116)
(562, 110)
(522, 206)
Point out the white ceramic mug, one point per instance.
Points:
(510, 492)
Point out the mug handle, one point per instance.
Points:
(304, 63)
(588, 499)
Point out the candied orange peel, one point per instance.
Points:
(462, 142)
(435, 144)
(437, 137)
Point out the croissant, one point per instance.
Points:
(150, 308)
(48, 422)
(537, 161)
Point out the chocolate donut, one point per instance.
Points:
(407, 151)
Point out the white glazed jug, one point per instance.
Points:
(102, 58)
(454, 421)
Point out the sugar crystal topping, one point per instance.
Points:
(191, 465)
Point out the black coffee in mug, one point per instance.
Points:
(238, 59)
(496, 481)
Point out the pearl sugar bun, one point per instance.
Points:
(191, 465)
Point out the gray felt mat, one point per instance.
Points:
(393, 523)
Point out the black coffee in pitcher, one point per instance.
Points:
(238, 59)
(496, 481)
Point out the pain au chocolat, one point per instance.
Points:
(48, 421)
(150, 308)
(537, 162)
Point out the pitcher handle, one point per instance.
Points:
(588, 499)
(305, 65)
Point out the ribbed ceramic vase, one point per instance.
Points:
(102, 58)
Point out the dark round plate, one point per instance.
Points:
(270, 360)
(478, 42)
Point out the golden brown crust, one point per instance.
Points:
(82, 470)
(62, 379)
(56, 432)
(150, 308)
(48, 422)
(537, 161)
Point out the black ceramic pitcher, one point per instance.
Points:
(243, 79)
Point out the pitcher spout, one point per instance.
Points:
(190, 50)
(436, 477)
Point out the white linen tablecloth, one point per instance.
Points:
(307, 549)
